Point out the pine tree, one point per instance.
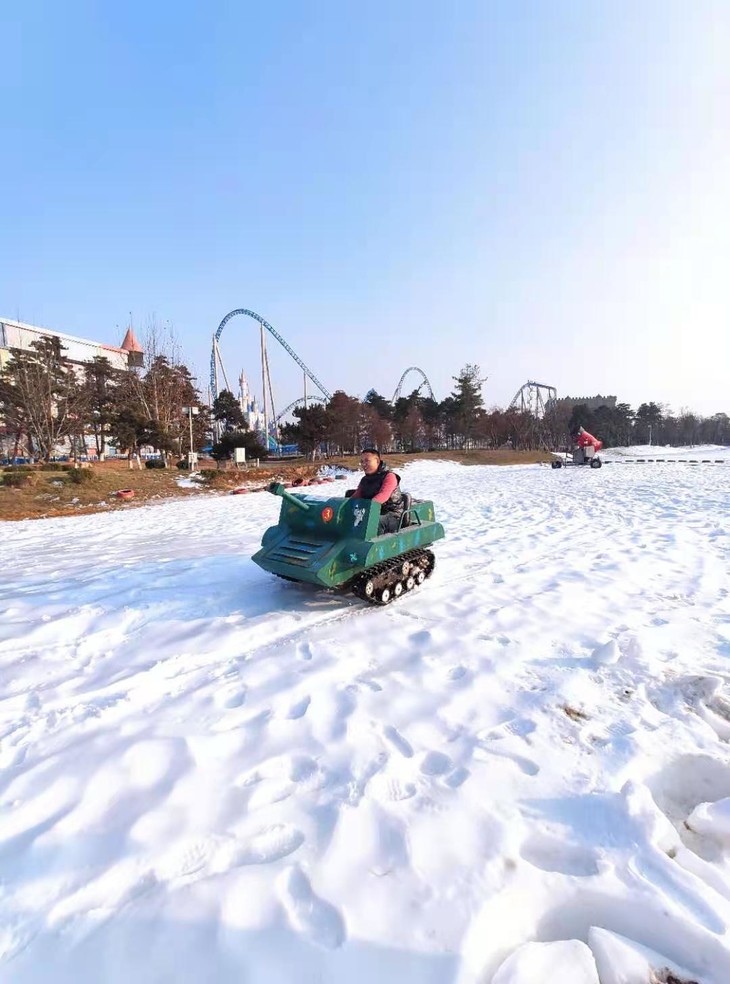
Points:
(311, 430)
(40, 393)
(97, 399)
(227, 410)
(468, 403)
(383, 407)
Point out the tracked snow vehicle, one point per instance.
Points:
(584, 453)
(334, 543)
(579, 457)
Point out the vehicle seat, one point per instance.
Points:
(405, 519)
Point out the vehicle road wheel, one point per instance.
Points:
(410, 583)
(596, 463)
(368, 589)
(384, 597)
(397, 589)
(421, 577)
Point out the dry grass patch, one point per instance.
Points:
(574, 714)
(37, 492)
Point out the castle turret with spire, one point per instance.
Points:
(249, 406)
(135, 353)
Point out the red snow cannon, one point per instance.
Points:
(585, 452)
(586, 440)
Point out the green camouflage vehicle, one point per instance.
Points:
(334, 543)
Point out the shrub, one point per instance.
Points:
(154, 463)
(57, 466)
(223, 449)
(182, 465)
(17, 479)
(80, 476)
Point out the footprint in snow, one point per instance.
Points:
(526, 765)
(312, 917)
(386, 790)
(371, 685)
(459, 674)
(270, 844)
(228, 699)
(299, 708)
(302, 768)
(398, 741)
(457, 778)
(435, 764)
(304, 650)
(336, 709)
(185, 859)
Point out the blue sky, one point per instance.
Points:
(537, 187)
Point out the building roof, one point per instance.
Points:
(23, 326)
(130, 343)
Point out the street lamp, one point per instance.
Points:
(192, 456)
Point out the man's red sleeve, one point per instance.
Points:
(390, 484)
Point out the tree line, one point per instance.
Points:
(651, 423)
(47, 402)
(461, 421)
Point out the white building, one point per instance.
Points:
(17, 334)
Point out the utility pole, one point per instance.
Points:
(192, 456)
(263, 387)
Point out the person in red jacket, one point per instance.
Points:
(382, 485)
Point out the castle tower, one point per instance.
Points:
(135, 352)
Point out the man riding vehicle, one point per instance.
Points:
(382, 485)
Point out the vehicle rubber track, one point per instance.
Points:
(389, 580)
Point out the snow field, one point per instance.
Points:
(706, 452)
(518, 773)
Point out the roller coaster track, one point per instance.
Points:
(309, 399)
(424, 382)
(264, 324)
(533, 398)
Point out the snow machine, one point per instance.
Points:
(334, 543)
(586, 452)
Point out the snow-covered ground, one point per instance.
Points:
(520, 774)
(699, 452)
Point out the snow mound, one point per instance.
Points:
(712, 819)
(622, 961)
(563, 962)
